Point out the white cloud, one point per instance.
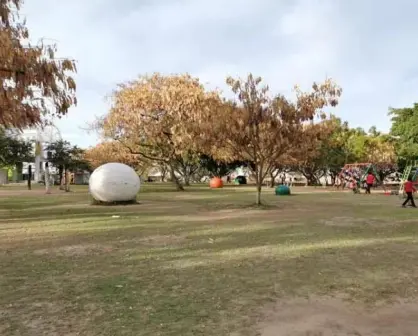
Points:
(370, 48)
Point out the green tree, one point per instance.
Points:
(186, 165)
(66, 157)
(218, 168)
(326, 152)
(14, 151)
(355, 145)
(405, 130)
(334, 150)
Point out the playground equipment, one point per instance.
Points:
(282, 190)
(411, 170)
(114, 182)
(216, 182)
(358, 171)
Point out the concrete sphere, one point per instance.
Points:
(114, 182)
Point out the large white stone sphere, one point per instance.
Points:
(114, 182)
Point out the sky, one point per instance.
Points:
(369, 47)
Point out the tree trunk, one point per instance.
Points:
(259, 178)
(312, 180)
(174, 178)
(187, 180)
(333, 179)
(67, 180)
(30, 177)
(272, 180)
(62, 178)
(163, 172)
(273, 177)
(258, 197)
(60, 172)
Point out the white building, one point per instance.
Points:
(45, 136)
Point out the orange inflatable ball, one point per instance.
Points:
(216, 182)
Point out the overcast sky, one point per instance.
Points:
(369, 47)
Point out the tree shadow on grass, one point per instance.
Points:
(229, 291)
(146, 297)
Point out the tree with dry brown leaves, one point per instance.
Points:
(284, 164)
(156, 117)
(35, 84)
(113, 151)
(261, 129)
(309, 158)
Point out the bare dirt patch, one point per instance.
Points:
(75, 250)
(336, 317)
(49, 318)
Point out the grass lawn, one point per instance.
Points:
(199, 262)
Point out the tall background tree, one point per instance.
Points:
(66, 158)
(35, 84)
(14, 151)
(333, 151)
(260, 129)
(154, 117)
(186, 165)
(404, 132)
(342, 145)
(218, 168)
(311, 155)
(113, 151)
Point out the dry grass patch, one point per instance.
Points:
(156, 240)
(197, 263)
(50, 318)
(370, 221)
(324, 316)
(75, 250)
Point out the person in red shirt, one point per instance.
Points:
(369, 182)
(409, 189)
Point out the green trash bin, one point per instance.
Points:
(282, 190)
(240, 180)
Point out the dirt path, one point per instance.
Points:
(335, 317)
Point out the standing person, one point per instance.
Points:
(369, 182)
(283, 178)
(409, 189)
(353, 185)
(337, 182)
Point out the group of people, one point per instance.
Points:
(354, 184)
(368, 183)
(352, 179)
